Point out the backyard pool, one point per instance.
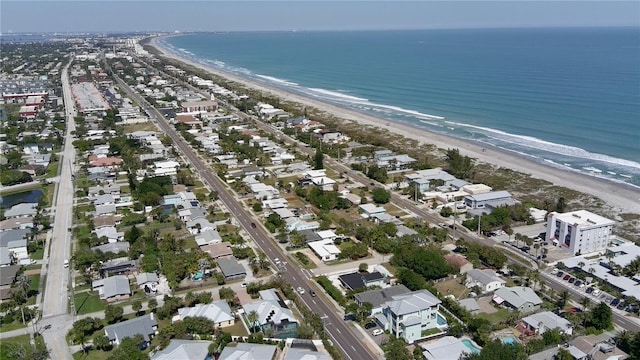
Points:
(198, 276)
(468, 343)
(441, 320)
(509, 340)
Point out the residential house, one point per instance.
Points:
(486, 279)
(326, 250)
(115, 248)
(445, 348)
(113, 288)
(296, 353)
(6, 257)
(521, 298)
(469, 304)
(16, 223)
(218, 250)
(231, 268)
(408, 316)
(21, 210)
(105, 210)
(207, 237)
(204, 230)
(218, 311)
(357, 280)
(369, 210)
(146, 326)
(596, 347)
(118, 266)
(7, 278)
(104, 221)
(377, 298)
(490, 200)
(297, 224)
(273, 315)
(460, 262)
(184, 350)
(402, 230)
(541, 322)
(148, 280)
(247, 351)
(396, 162)
(110, 233)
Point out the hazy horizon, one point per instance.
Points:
(216, 16)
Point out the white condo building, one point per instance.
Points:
(579, 231)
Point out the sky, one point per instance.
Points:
(154, 15)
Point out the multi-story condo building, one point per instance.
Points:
(580, 232)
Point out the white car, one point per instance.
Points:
(554, 271)
(377, 332)
(66, 263)
(596, 292)
(300, 290)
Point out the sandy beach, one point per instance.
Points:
(621, 197)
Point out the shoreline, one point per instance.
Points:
(623, 197)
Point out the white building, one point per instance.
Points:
(579, 231)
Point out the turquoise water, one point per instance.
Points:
(441, 320)
(508, 340)
(471, 346)
(198, 275)
(565, 97)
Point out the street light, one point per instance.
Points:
(324, 329)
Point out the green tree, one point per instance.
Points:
(396, 349)
(101, 342)
(252, 319)
(318, 159)
(129, 350)
(563, 354)
(227, 294)
(601, 317)
(496, 350)
(563, 299)
(458, 165)
(380, 195)
(136, 306)
(152, 304)
(113, 313)
(304, 331)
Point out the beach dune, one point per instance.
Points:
(623, 198)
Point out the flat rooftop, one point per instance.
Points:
(584, 217)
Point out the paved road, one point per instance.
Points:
(343, 336)
(54, 307)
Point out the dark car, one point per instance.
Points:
(572, 280)
(621, 306)
(369, 325)
(577, 283)
(589, 290)
(253, 225)
(313, 293)
(560, 274)
(615, 302)
(566, 277)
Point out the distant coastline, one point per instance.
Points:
(622, 196)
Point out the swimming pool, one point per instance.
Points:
(441, 320)
(468, 343)
(509, 340)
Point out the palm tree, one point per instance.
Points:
(585, 302)
(564, 298)
(252, 318)
(535, 277)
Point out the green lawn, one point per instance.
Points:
(11, 326)
(237, 329)
(35, 282)
(52, 170)
(88, 302)
(38, 254)
(496, 317)
(19, 340)
(92, 355)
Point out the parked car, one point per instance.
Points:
(243, 285)
(589, 290)
(554, 271)
(572, 280)
(377, 332)
(596, 292)
(369, 325)
(560, 274)
(621, 306)
(577, 283)
(615, 302)
(566, 277)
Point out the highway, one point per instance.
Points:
(55, 302)
(343, 336)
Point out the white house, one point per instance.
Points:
(541, 322)
(218, 311)
(326, 250)
(407, 316)
(487, 280)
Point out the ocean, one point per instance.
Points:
(567, 97)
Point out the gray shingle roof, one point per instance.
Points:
(411, 303)
(217, 311)
(518, 295)
(184, 350)
(379, 297)
(230, 267)
(22, 209)
(245, 351)
(12, 235)
(144, 325)
(115, 285)
(484, 276)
